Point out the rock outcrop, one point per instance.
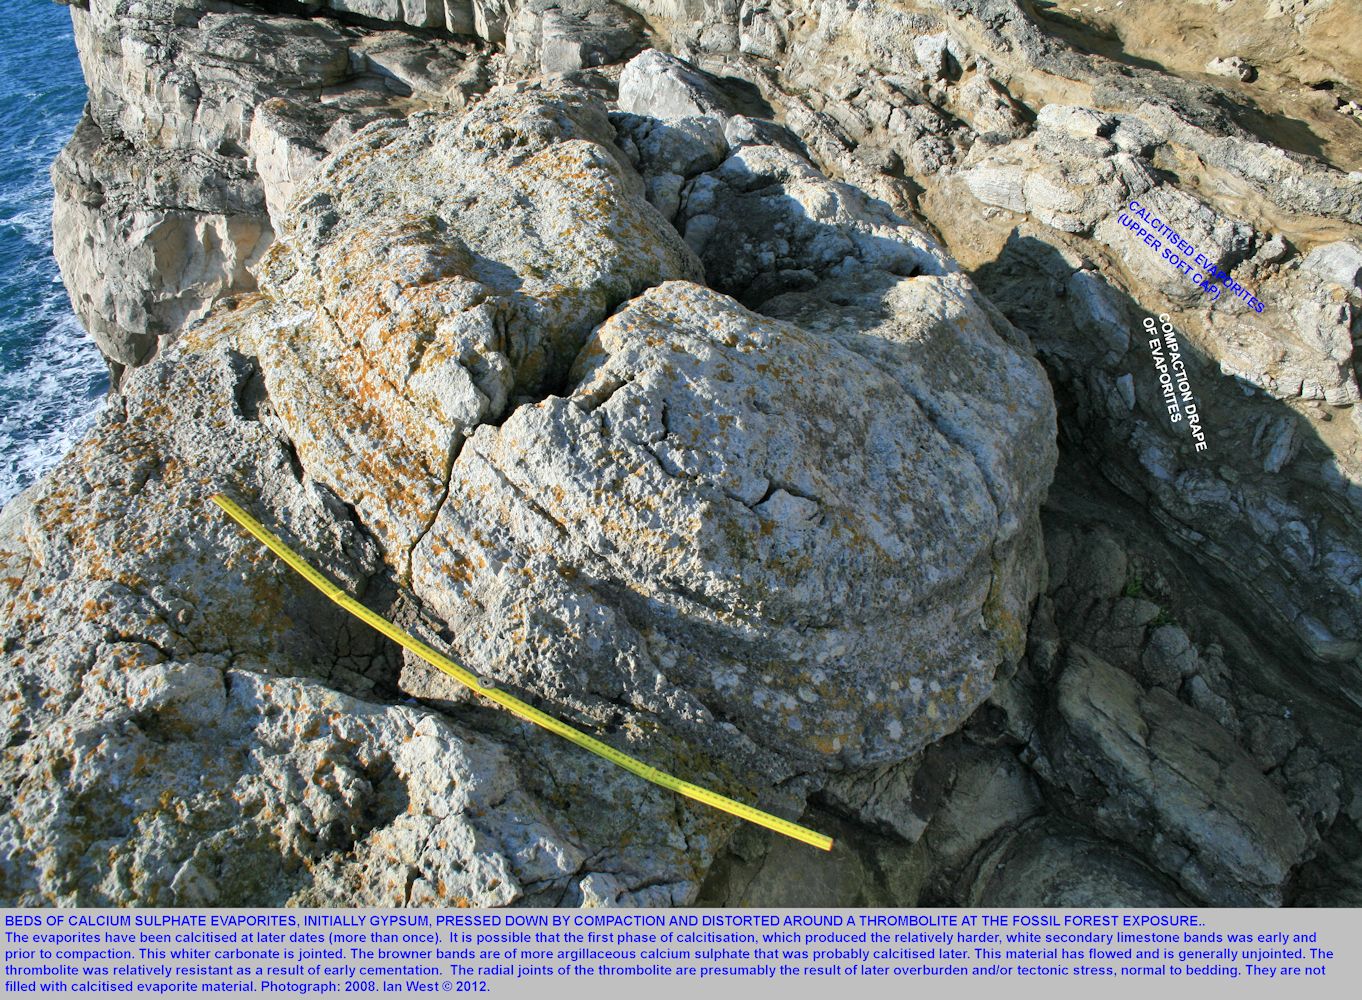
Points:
(676, 365)
(483, 387)
(202, 119)
(1020, 137)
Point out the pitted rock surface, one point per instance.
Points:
(740, 520)
(438, 269)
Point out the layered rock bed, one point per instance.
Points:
(767, 389)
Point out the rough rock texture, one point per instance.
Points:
(563, 36)
(183, 741)
(791, 547)
(167, 673)
(202, 120)
(1020, 134)
(1221, 826)
(790, 484)
(440, 269)
(483, 387)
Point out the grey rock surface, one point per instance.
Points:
(188, 676)
(419, 402)
(207, 731)
(1047, 182)
(663, 86)
(1175, 720)
(1125, 754)
(203, 119)
(564, 36)
(788, 532)
(1057, 864)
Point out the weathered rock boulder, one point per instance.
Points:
(663, 86)
(439, 270)
(739, 520)
(182, 740)
(921, 106)
(564, 36)
(483, 390)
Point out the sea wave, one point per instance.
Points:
(52, 379)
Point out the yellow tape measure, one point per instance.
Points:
(510, 702)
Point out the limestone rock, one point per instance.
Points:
(662, 86)
(1209, 755)
(862, 79)
(788, 530)
(669, 153)
(563, 36)
(418, 13)
(203, 120)
(138, 272)
(429, 69)
(990, 109)
(723, 541)
(1135, 762)
(766, 221)
(1232, 66)
(436, 271)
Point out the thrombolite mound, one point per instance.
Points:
(748, 550)
(731, 519)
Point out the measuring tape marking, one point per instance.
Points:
(513, 704)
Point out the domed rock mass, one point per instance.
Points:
(483, 386)
(772, 390)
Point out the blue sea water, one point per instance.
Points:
(52, 379)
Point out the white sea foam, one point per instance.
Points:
(50, 403)
(52, 379)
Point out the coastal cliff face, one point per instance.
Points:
(766, 386)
